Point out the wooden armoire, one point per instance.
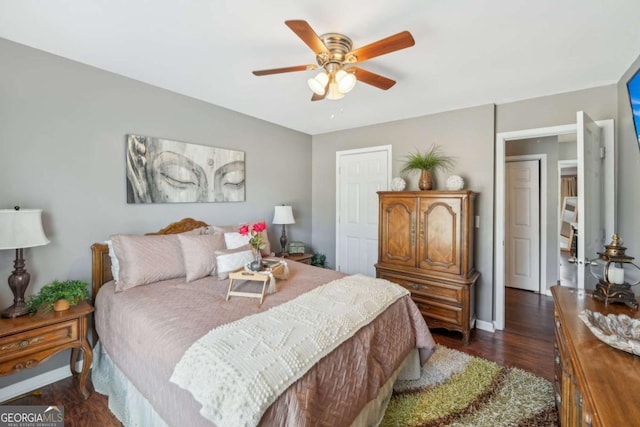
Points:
(425, 243)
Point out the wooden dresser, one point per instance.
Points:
(595, 384)
(425, 244)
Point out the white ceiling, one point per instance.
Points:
(467, 52)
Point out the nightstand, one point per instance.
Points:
(303, 258)
(27, 341)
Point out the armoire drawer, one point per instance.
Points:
(436, 310)
(451, 294)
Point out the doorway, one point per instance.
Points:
(361, 174)
(608, 200)
(526, 220)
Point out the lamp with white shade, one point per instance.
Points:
(283, 215)
(19, 229)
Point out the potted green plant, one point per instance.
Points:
(427, 163)
(58, 295)
(318, 260)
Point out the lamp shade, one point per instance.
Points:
(346, 81)
(318, 83)
(21, 229)
(283, 215)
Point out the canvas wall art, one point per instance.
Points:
(165, 171)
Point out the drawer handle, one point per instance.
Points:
(557, 323)
(416, 286)
(21, 344)
(28, 364)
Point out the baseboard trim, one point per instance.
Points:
(30, 384)
(485, 326)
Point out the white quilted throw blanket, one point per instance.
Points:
(238, 370)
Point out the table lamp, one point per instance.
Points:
(614, 283)
(19, 229)
(283, 215)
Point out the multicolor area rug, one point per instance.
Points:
(457, 389)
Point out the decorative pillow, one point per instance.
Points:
(199, 253)
(147, 259)
(232, 259)
(266, 251)
(115, 265)
(235, 240)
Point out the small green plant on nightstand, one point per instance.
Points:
(73, 291)
(318, 260)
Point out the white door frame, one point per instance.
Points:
(501, 138)
(542, 159)
(339, 154)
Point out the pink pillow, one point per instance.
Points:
(199, 254)
(147, 259)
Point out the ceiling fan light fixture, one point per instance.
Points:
(334, 93)
(346, 81)
(318, 83)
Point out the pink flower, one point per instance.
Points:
(259, 226)
(244, 229)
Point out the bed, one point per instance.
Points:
(145, 331)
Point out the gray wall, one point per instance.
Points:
(628, 169)
(465, 134)
(600, 103)
(62, 136)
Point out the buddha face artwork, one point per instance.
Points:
(165, 171)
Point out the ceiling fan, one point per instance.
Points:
(336, 57)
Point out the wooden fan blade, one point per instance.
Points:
(372, 79)
(284, 70)
(307, 35)
(387, 45)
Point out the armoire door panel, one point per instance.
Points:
(398, 231)
(440, 224)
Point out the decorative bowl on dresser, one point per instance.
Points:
(426, 244)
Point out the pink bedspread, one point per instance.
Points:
(145, 331)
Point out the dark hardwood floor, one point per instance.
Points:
(526, 343)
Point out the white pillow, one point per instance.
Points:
(115, 264)
(235, 240)
(232, 259)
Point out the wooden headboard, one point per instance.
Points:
(101, 263)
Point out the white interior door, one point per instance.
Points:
(361, 174)
(523, 225)
(591, 227)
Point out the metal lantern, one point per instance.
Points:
(612, 268)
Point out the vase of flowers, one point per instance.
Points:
(256, 241)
